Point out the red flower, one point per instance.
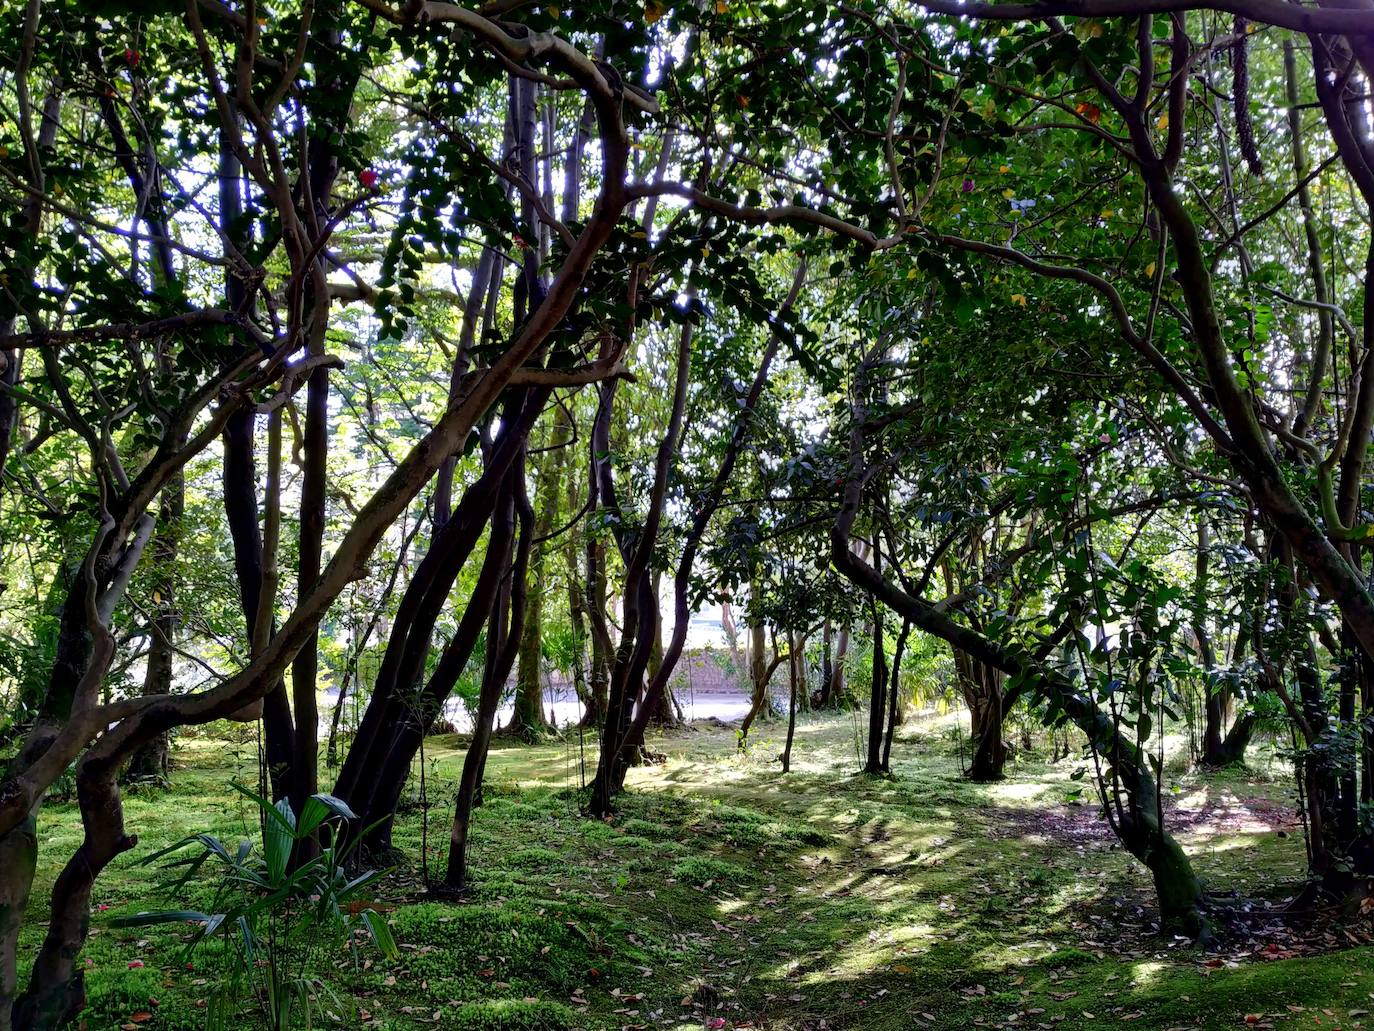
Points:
(369, 179)
(135, 964)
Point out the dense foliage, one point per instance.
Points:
(358, 357)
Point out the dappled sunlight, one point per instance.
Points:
(759, 897)
(1147, 974)
(1203, 844)
(1015, 791)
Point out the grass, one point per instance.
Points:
(726, 891)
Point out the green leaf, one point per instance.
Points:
(381, 933)
(279, 839)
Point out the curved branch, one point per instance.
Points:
(1337, 21)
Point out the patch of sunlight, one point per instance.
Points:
(901, 937)
(1013, 791)
(1144, 975)
(728, 906)
(1001, 956)
(1194, 799)
(1202, 841)
(1062, 899)
(850, 965)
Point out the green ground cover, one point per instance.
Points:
(727, 892)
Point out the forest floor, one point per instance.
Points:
(727, 895)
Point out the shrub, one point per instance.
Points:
(276, 922)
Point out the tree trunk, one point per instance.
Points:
(760, 705)
(18, 863)
(528, 721)
(1134, 808)
(56, 991)
(602, 649)
(413, 720)
(503, 638)
(151, 763)
(827, 666)
(738, 660)
(835, 693)
(400, 709)
(981, 686)
(305, 758)
(877, 693)
(894, 691)
(796, 688)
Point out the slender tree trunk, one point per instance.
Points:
(305, 669)
(503, 639)
(760, 705)
(836, 691)
(389, 773)
(877, 695)
(737, 658)
(377, 764)
(704, 511)
(1217, 748)
(151, 763)
(56, 991)
(241, 508)
(797, 686)
(893, 693)
(822, 698)
(577, 613)
(528, 720)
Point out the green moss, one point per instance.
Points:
(647, 829)
(702, 870)
(513, 1015)
(533, 858)
(595, 830)
(633, 841)
(1069, 958)
(854, 901)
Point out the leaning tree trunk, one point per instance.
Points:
(704, 508)
(400, 710)
(1135, 809)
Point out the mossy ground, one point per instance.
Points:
(726, 890)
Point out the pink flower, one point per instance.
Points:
(135, 964)
(715, 1022)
